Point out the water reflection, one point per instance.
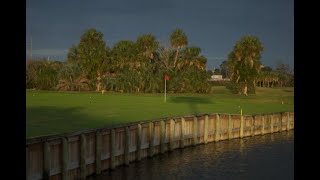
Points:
(259, 157)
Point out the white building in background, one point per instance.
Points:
(216, 77)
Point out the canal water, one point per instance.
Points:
(260, 157)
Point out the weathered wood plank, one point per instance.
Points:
(217, 133)
(113, 149)
(253, 125)
(65, 158)
(230, 127)
(206, 118)
(288, 121)
(171, 139)
(127, 146)
(271, 123)
(27, 163)
(139, 142)
(182, 133)
(46, 160)
(279, 122)
(195, 133)
(292, 120)
(162, 136)
(263, 125)
(241, 126)
(98, 151)
(83, 145)
(151, 139)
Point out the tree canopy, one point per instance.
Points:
(244, 63)
(140, 65)
(128, 66)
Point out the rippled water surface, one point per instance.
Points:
(260, 157)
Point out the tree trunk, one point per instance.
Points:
(175, 59)
(245, 89)
(98, 84)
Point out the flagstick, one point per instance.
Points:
(165, 89)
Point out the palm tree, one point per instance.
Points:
(191, 57)
(70, 84)
(178, 40)
(71, 78)
(147, 44)
(125, 54)
(91, 53)
(244, 62)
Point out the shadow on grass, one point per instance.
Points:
(48, 120)
(193, 102)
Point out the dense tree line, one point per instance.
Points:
(140, 66)
(245, 70)
(281, 76)
(128, 66)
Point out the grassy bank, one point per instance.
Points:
(60, 112)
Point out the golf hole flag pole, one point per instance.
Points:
(166, 78)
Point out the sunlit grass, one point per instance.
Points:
(59, 112)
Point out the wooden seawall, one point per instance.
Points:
(81, 154)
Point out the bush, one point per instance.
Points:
(233, 87)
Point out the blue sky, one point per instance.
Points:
(212, 25)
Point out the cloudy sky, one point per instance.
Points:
(212, 25)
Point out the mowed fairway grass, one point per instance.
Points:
(50, 113)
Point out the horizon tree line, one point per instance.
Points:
(127, 66)
(140, 66)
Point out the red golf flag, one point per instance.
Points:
(166, 77)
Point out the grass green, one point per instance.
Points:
(61, 112)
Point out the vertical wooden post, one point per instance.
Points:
(288, 121)
(182, 130)
(280, 122)
(292, 122)
(195, 131)
(64, 158)
(113, 149)
(27, 163)
(230, 127)
(241, 126)
(217, 134)
(83, 156)
(139, 142)
(271, 123)
(46, 160)
(171, 141)
(206, 129)
(98, 152)
(162, 135)
(263, 119)
(253, 119)
(126, 146)
(151, 139)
